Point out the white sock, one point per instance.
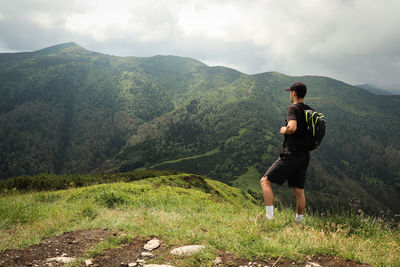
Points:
(299, 217)
(269, 212)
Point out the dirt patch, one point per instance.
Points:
(231, 260)
(336, 261)
(128, 253)
(71, 244)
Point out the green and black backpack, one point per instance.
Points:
(315, 128)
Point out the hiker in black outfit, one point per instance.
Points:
(293, 162)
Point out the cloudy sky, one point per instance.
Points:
(356, 41)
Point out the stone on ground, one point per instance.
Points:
(61, 259)
(88, 262)
(152, 244)
(218, 261)
(312, 264)
(147, 254)
(187, 250)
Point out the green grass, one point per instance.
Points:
(214, 151)
(186, 209)
(250, 179)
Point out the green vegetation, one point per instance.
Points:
(250, 179)
(66, 110)
(184, 209)
(48, 182)
(186, 158)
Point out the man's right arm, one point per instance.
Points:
(290, 128)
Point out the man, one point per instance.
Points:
(293, 162)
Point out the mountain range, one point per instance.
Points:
(377, 91)
(65, 109)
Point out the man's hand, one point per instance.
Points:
(290, 128)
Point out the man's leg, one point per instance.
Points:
(268, 195)
(300, 202)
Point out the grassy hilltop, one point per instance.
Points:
(184, 209)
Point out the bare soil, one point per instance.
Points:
(128, 253)
(231, 260)
(72, 244)
(76, 244)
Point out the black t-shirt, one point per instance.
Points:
(296, 112)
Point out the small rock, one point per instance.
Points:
(88, 262)
(140, 262)
(158, 265)
(152, 244)
(218, 261)
(123, 264)
(147, 254)
(187, 250)
(132, 264)
(312, 264)
(60, 259)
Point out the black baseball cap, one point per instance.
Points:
(299, 87)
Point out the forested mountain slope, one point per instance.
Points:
(65, 109)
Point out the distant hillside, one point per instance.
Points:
(65, 109)
(375, 90)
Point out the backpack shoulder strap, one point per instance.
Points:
(304, 107)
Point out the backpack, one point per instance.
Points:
(315, 128)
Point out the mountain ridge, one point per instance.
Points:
(376, 91)
(70, 110)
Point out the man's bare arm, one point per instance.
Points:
(290, 128)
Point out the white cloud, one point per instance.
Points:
(216, 21)
(99, 22)
(352, 40)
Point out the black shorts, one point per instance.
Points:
(290, 166)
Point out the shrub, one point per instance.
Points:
(112, 199)
(89, 213)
